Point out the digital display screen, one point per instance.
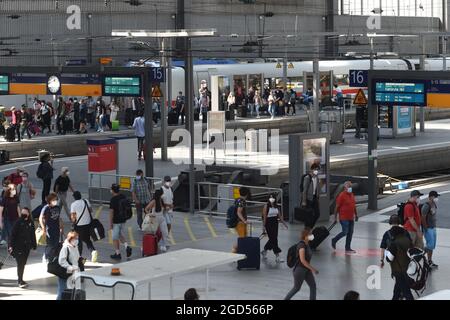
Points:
(4, 84)
(402, 93)
(128, 86)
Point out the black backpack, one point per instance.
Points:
(292, 256)
(303, 180)
(232, 217)
(40, 173)
(125, 209)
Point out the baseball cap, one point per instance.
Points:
(434, 194)
(167, 178)
(416, 193)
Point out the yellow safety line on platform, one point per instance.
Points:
(110, 237)
(130, 235)
(210, 227)
(189, 230)
(171, 239)
(97, 213)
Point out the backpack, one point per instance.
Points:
(292, 256)
(40, 173)
(125, 210)
(418, 269)
(232, 217)
(401, 211)
(302, 181)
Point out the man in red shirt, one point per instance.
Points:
(16, 119)
(346, 207)
(413, 219)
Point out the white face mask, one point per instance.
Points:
(67, 173)
(74, 242)
(167, 184)
(418, 201)
(138, 177)
(272, 200)
(350, 190)
(311, 237)
(54, 203)
(315, 172)
(436, 200)
(13, 193)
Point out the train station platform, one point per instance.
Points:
(75, 144)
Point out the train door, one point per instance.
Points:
(326, 83)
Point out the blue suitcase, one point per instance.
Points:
(250, 246)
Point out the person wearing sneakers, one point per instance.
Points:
(413, 219)
(140, 192)
(62, 185)
(81, 217)
(22, 241)
(240, 205)
(117, 223)
(167, 198)
(156, 208)
(271, 214)
(428, 212)
(346, 207)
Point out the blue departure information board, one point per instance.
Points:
(400, 93)
(4, 84)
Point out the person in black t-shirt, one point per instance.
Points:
(117, 223)
(62, 185)
(51, 224)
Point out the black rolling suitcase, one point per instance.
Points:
(68, 125)
(250, 246)
(320, 234)
(10, 135)
(229, 115)
(172, 119)
(4, 156)
(73, 294)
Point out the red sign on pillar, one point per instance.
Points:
(102, 155)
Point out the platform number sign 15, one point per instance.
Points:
(157, 74)
(358, 78)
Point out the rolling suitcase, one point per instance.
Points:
(320, 234)
(229, 115)
(68, 125)
(172, 119)
(196, 115)
(250, 246)
(10, 134)
(303, 214)
(4, 156)
(149, 245)
(73, 294)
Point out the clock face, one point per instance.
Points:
(53, 84)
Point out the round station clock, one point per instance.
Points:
(53, 84)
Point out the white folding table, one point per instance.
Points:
(141, 272)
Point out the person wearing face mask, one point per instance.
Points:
(271, 214)
(51, 223)
(428, 212)
(21, 242)
(303, 270)
(140, 192)
(310, 194)
(62, 185)
(413, 219)
(9, 211)
(69, 257)
(25, 191)
(346, 207)
(167, 198)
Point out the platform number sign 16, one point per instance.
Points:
(358, 78)
(157, 74)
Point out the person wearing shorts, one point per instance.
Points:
(428, 212)
(117, 223)
(167, 198)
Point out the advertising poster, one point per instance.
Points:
(314, 151)
(404, 119)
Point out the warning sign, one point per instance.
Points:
(279, 65)
(291, 66)
(360, 99)
(156, 92)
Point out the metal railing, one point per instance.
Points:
(218, 197)
(100, 186)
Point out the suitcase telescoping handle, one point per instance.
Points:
(250, 225)
(332, 226)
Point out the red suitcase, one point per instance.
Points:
(149, 245)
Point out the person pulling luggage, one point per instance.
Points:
(272, 213)
(346, 207)
(156, 207)
(303, 270)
